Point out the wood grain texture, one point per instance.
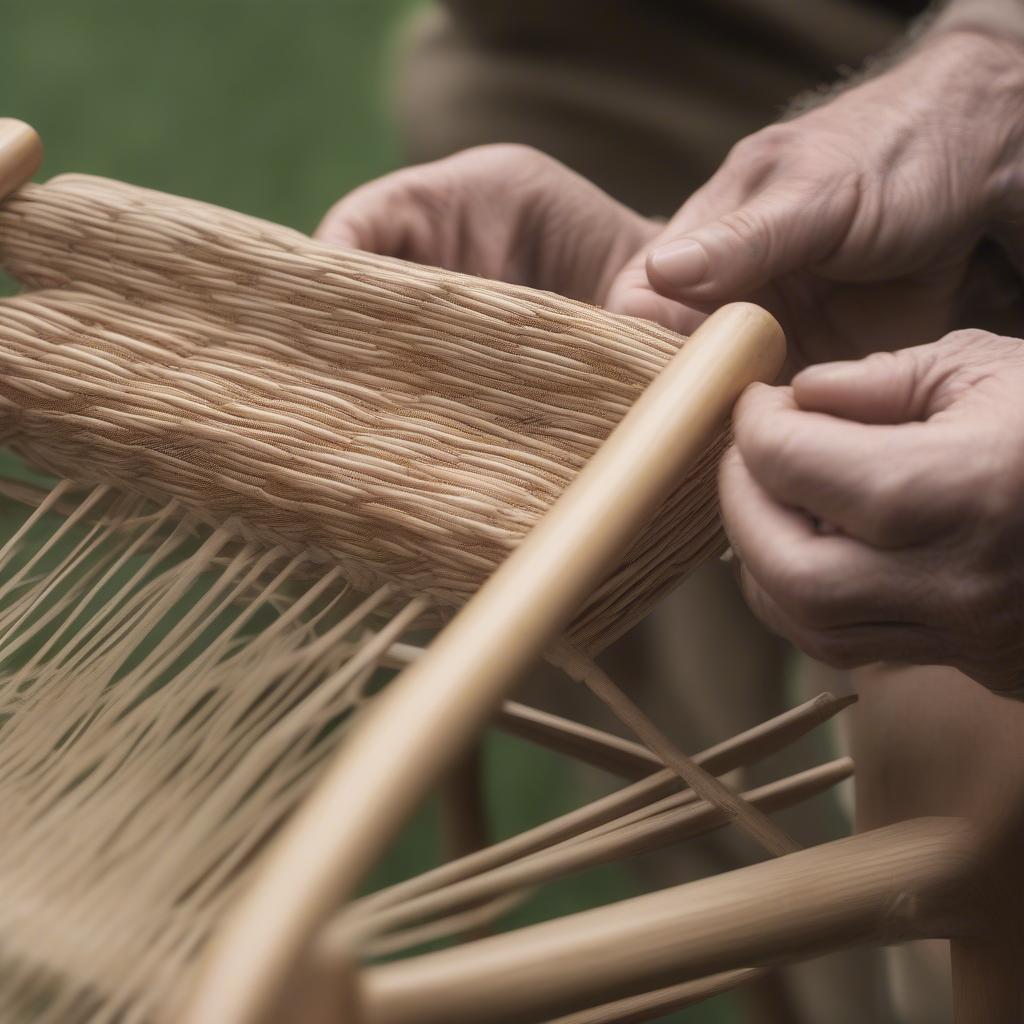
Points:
(882, 886)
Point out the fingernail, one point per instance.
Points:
(830, 373)
(680, 263)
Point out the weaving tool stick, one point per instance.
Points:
(359, 446)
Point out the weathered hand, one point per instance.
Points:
(877, 507)
(855, 222)
(506, 212)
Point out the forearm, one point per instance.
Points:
(999, 19)
(960, 68)
(999, 22)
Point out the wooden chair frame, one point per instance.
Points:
(279, 956)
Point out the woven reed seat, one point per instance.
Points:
(406, 424)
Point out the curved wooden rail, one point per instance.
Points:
(427, 717)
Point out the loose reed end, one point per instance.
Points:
(21, 153)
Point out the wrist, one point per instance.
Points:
(984, 77)
(999, 20)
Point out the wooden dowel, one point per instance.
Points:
(746, 747)
(767, 738)
(21, 153)
(652, 1005)
(469, 921)
(614, 753)
(595, 747)
(756, 824)
(592, 746)
(423, 721)
(605, 845)
(879, 886)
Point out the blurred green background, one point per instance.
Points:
(274, 109)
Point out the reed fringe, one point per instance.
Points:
(168, 694)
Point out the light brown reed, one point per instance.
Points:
(406, 424)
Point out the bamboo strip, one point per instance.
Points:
(602, 846)
(702, 782)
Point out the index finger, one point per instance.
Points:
(885, 484)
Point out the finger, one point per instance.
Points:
(886, 387)
(790, 225)
(847, 646)
(632, 295)
(886, 485)
(391, 216)
(820, 581)
(631, 292)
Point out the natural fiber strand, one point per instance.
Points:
(405, 424)
(143, 765)
(285, 457)
(756, 824)
(634, 802)
(605, 844)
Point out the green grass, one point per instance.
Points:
(275, 109)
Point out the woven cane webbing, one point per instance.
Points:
(403, 424)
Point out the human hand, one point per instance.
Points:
(855, 222)
(877, 507)
(506, 212)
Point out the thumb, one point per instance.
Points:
(787, 227)
(885, 387)
(632, 295)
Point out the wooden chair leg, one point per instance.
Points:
(891, 885)
(464, 828)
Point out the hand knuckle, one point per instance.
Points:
(766, 442)
(507, 152)
(967, 337)
(981, 601)
(815, 599)
(750, 231)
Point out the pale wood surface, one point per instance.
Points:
(634, 802)
(651, 1005)
(882, 886)
(435, 708)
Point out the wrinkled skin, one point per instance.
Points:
(856, 222)
(877, 507)
(506, 212)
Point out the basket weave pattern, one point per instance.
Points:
(405, 424)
